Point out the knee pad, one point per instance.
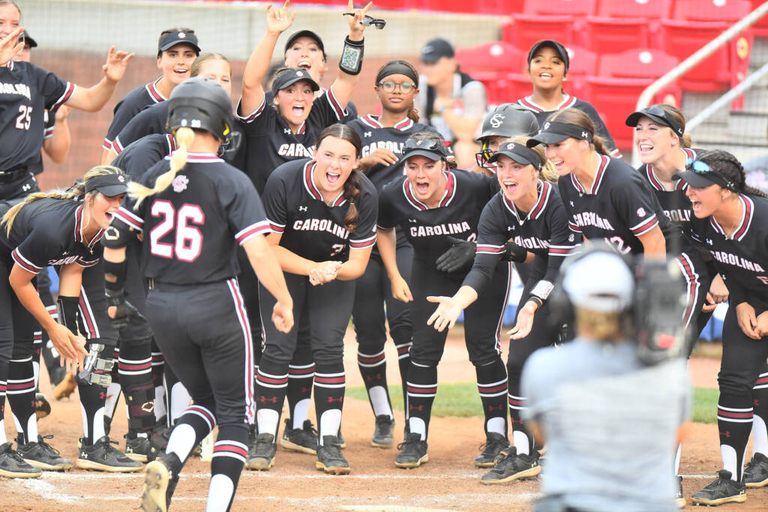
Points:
(141, 406)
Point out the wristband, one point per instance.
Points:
(352, 56)
(114, 275)
(542, 290)
(535, 300)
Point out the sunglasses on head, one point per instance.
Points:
(657, 111)
(434, 146)
(703, 168)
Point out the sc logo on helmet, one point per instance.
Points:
(497, 120)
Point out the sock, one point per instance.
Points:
(492, 386)
(21, 397)
(158, 370)
(196, 423)
(92, 406)
(301, 373)
(3, 389)
(422, 388)
(373, 368)
(734, 422)
(50, 355)
(135, 368)
(271, 387)
(110, 403)
(177, 397)
(760, 419)
(402, 339)
(229, 455)
(521, 439)
(678, 454)
(37, 343)
(330, 384)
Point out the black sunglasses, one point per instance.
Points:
(426, 145)
(703, 168)
(657, 111)
(379, 23)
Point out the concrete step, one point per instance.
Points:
(748, 124)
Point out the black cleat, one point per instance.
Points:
(160, 437)
(756, 472)
(42, 455)
(159, 483)
(302, 440)
(513, 467)
(329, 457)
(101, 456)
(261, 456)
(383, 436)
(140, 447)
(13, 466)
(494, 444)
(413, 452)
(721, 491)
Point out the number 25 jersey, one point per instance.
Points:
(191, 228)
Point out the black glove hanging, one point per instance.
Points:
(514, 253)
(458, 258)
(124, 310)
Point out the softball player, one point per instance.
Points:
(529, 213)
(61, 230)
(383, 139)
(323, 217)
(729, 221)
(548, 63)
(438, 210)
(193, 215)
(500, 124)
(177, 48)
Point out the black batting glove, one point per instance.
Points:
(458, 258)
(515, 253)
(124, 310)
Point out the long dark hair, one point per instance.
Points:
(730, 167)
(352, 185)
(577, 117)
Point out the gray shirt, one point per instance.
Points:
(470, 103)
(610, 424)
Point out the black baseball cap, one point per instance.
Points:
(519, 153)
(433, 149)
(110, 185)
(553, 132)
(305, 33)
(435, 50)
(24, 36)
(656, 114)
(699, 174)
(549, 43)
(290, 76)
(170, 40)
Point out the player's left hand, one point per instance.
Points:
(446, 314)
(117, 61)
(762, 324)
(745, 315)
(62, 113)
(524, 322)
(121, 311)
(10, 46)
(459, 257)
(280, 19)
(718, 290)
(282, 317)
(356, 27)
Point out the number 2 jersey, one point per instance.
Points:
(742, 258)
(619, 207)
(191, 228)
(311, 228)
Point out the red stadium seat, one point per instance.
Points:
(637, 63)
(498, 86)
(612, 35)
(504, 7)
(583, 63)
(615, 99)
(761, 27)
(576, 8)
(525, 29)
(711, 10)
(725, 68)
(649, 9)
(495, 56)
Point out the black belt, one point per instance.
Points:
(13, 175)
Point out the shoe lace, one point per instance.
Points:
(46, 446)
(13, 454)
(408, 443)
(492, 445)
(309, 427)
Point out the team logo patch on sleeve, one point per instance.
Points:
(641, 212)
(180, 183)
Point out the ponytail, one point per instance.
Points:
(413, 114)
(73, 193)
(351, 194)
(730, 167)
(184, 138)
(548, 171)
(599, 145)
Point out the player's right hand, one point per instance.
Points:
(382, 156)
(324, 272)
(70, 347)
(278, 20)
(282, 317)
(10, 46)
(400, 289)
(745, 314)
(446, 314)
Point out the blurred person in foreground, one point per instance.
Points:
(611, 405)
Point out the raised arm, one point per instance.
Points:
(93, 98)
(351, 56)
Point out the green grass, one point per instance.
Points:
(461, 399)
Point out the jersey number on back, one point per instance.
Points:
(24, 120)
(189, 240)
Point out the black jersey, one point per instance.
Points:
(49, 232)
(35, 166)
(191, 229)
(571, 101)
(270, 141)
(311, 228)
(542, 231)
(619, 208)
(133, 103)
(26, 91)
(742, 258)
(375, 136)
(141, 155)
(427, 228)
(675, 203)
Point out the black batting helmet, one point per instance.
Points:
(507, 121)
(200, 103)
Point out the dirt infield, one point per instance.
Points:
(448, 482)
